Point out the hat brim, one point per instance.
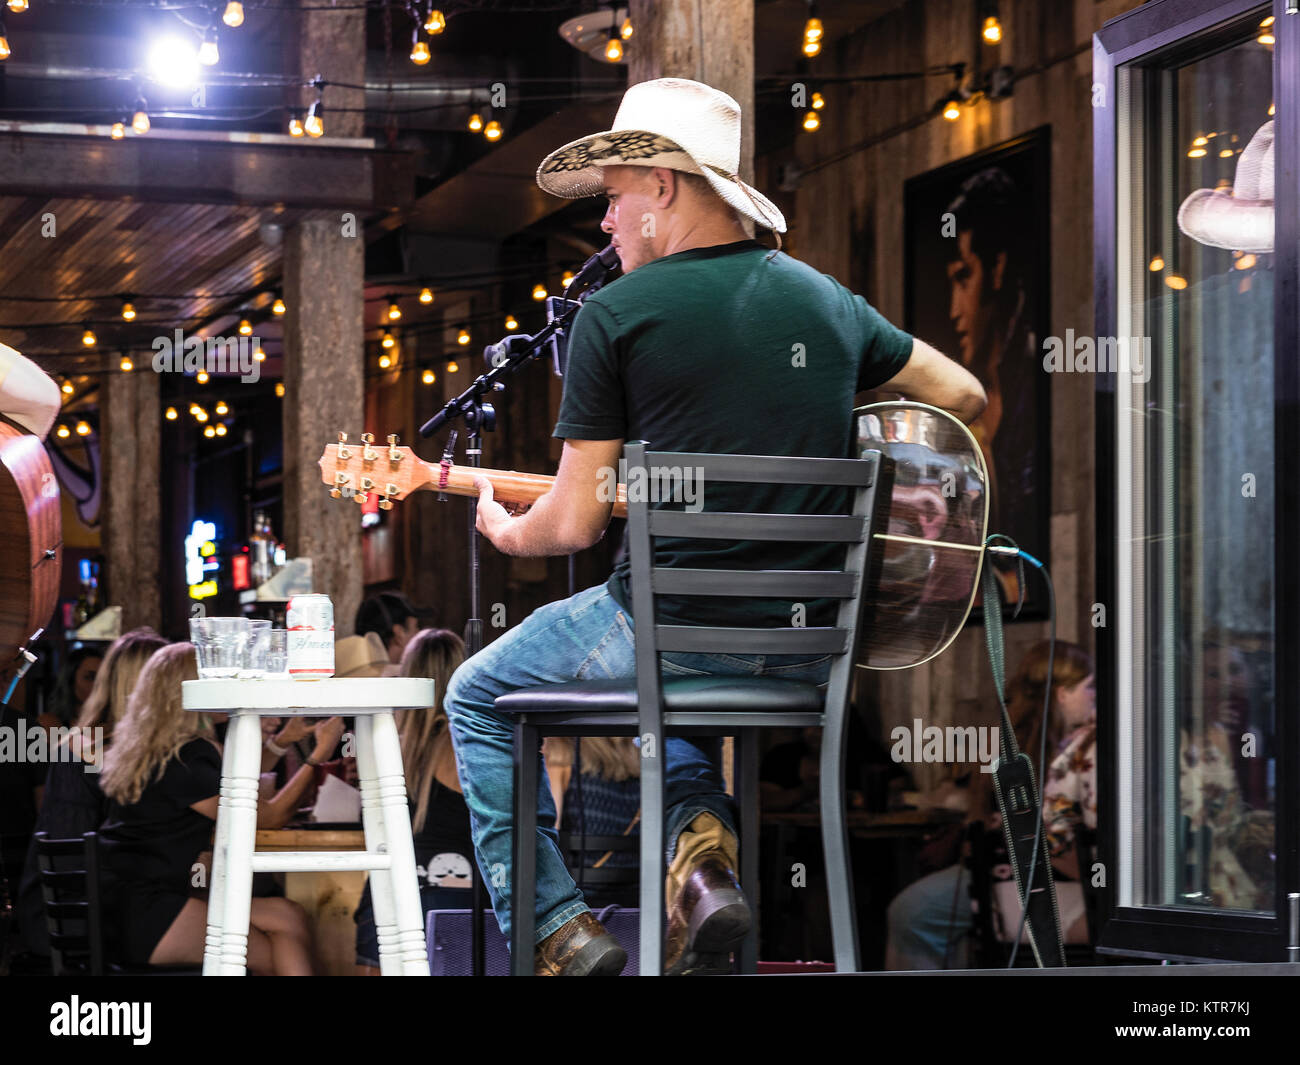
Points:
(577, 169)
(1220, 220)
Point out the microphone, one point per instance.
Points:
(496, 354)
(596, 267)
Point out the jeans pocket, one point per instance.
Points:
(614, 654)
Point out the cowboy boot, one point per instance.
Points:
(708, 916)
(579, 947)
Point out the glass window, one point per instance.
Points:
(1195, 505)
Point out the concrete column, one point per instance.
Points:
(131, 517)
(331, 43)
(671, 40)
(324, 378)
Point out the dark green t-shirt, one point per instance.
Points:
(736, 350)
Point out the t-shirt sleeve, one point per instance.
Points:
(593, 407)
(885, 348)
(195, 774)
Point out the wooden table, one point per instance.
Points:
(330, 898)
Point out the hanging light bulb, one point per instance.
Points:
(428, 377)
(567, 278)
(811, 122)
(625, 30)
(67, 388)
(991, 31)
(221, 407)
(140, 120)
(539, 293)
(88, 337)
(420, 53)
(4, 43)
(63, 432)
(818, 101)
(208, 54)
(315, 123)
(1266, 32)
(950, 109)
(279, 389)
(83, 428)
(170, 414)
(394, 311)
(295, 124)
(812, 48)
(200, 415)
(492, 131)
(128, 311)
(245, 327)
(17, 6)
(385, 361)
(202, 377)
(1195, 153)
(233, 16)
(426, 295)
(1156, 264)
(812, 29)
(278, 306)
(259, 355)
(475, 122)
(613, 47)
(511, 323)
(118, 131)
(453, 366)
(1176, 282)
(194, 409)
(126, 365)
(462, 338)
(209, 432)
(435, 23)
(221, 429)
(387, 339)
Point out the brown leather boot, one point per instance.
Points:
(708, 916)
(579, 947)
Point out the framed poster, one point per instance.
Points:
(976, 234)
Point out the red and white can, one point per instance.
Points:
(310, 623)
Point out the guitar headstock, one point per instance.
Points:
(356, 470)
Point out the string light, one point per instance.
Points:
(435, 23)
(126, 365)
(462, 338)
(567, 278)
(209, 432)
(426, 295)
(950, 109)
(539, 293)
(140, 120)
(387, 339)
(67, 388)
(83, 428)
(202, 377)
(614, 47)
(992, 30)
(221, 429)
(428, 377)
(420, 53)
(1176, 282)
(200, 415)
(234, 14)
(1266, 35)
(4, 43)
(245, 327)
(295, 124)
(818, 101)
(279, 389)
(170, 414)
(511, 323)
(385, 361)
(118, 131)
(394, 311)
(813, 32)
(811, 122)
(221, 407)
(88, 338)
(17, 6)
(315, 123)
(453, 366)
(194, 409)
(475, 122)
(128, 311)
(208, 54)
(492, 131)
(625, 30)
(63, 432)
(1156, 265)
(259, 355)
(1195, 153)
(278, 306)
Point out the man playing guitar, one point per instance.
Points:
(708, 343)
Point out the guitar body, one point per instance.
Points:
(31, 530)
(938, 518)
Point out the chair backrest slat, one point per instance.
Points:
(767, 469)
(807, 528)
(759, 583)
(710, 640)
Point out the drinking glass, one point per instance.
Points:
(277, 654)
(259, 634)
(219, 643)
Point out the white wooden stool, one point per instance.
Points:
(389, 856)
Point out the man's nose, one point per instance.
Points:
(607, 223)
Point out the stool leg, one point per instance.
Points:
(405, 885)
(651, 962)
(523, 878)
(747, 800)
(835, 846)
(239, 796)
(372, 820)
(220, 867)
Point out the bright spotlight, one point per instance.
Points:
(175, 62)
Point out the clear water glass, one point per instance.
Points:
(220, 645)
(277, 654)
(259, 634)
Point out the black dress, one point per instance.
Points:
(150, 847)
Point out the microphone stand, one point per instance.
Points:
(480, 417)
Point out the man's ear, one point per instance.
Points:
(664, 185)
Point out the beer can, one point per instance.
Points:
(310, 623)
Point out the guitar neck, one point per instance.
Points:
(508, 486)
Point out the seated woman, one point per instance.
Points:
(162, 777)
(928, 921)
(439, 816)
(73, 803)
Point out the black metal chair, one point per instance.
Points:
(648, 705)
(70, 883)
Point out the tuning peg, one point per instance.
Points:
(360, 499)
(394, 455)
(367, 438)
(385, 503)
(345, 453)
(335, 493)
(391, 489)
(343, 438)
(367, 484)
(392, 439)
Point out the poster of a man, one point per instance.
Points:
(977, 289)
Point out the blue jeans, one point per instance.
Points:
(586, 637)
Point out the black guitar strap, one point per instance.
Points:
(1018, 801)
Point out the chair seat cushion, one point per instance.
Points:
(681, 694)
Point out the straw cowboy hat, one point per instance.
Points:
(1239, 218)
(362, 656)
(671, 122)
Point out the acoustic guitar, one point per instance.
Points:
(31, 530)
(933, 546)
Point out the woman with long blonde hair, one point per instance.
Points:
(162, 776)
(439, 816)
